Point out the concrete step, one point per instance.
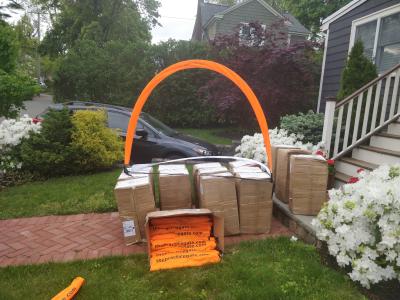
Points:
(394, 128)
(376, 155)
(349, 166)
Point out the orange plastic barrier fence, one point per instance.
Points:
(178, 242)
(197, 64)
(70, 292)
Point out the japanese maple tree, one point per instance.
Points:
(284, 77)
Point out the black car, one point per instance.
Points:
(153, 139)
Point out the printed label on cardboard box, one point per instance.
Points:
(129, 228)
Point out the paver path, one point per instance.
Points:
(76, 237)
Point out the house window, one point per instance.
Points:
(380, 34)
(247, 34)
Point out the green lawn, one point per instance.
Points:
(60, 196)
(213, 135)
(269, 269)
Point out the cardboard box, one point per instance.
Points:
(135, 198)
(209, 165)
(217, 192)
(203, 171)
(175, 187)
(218, 223)
(274, 153)
(240, 163)
(282, 172)
(254, 193)
(308, 184)
(136, 171)
(130, 229)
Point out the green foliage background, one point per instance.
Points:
(309, 125)
(359, 70)
(16, 85)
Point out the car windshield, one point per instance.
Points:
(158, 125)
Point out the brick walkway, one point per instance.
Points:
(77, 237)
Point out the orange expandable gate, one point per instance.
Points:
(197, 64)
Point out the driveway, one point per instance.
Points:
(37, 105)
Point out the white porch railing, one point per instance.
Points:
(357, 117)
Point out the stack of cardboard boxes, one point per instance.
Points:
(135, 200)
(175, 187)
(308, 184)
(254, 193)
(217, 192)
(282, 171)
(300, 179)
(240, 196)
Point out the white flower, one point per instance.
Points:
(361, 226)
(253, 146)
(11, 134)
(293, 239)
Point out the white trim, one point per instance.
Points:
(336, 15)
(321, 82)
(266, 5)
(236, 6)
(375, 16)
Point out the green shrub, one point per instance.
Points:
(96, 146)
(49, 152)
(359, 70)
(309, 125)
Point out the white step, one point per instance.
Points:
(394, 128)
(376, 155)
(338, 184)
(340, 179)
(350, 166)
(386, 141)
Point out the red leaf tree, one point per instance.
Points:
(284, 77)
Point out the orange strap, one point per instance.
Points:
(167, 245)
(197, 64)
(184, 259)
(70, 292)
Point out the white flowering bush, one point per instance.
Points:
(361, 226)
(253, 146)
(12, 131)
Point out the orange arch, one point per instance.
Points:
(197, 64)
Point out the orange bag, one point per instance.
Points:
(70, 292)
(171, 246)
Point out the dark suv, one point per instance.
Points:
(153, 139)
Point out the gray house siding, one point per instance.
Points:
(249, 12)
(338, 45)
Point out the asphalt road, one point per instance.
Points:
(37, 105)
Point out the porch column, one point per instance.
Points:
(328, 123)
